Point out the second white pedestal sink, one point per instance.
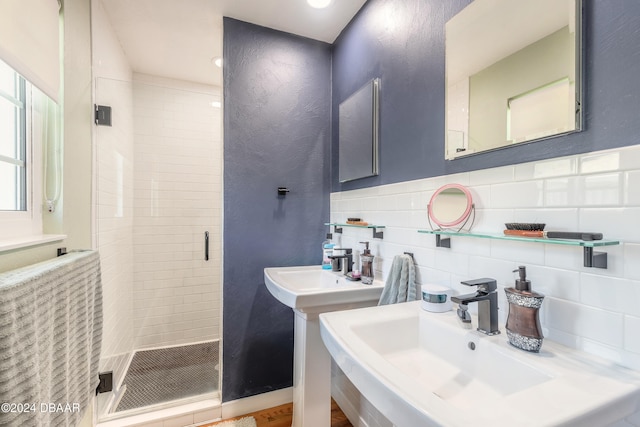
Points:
(309, 291)
(424, 369)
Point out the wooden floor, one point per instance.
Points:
(281, 416)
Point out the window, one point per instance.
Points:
(13, 143)
(23, 123)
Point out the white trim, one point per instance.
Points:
(25, 242)
(247, 405)
(166, 414)
(27, 225)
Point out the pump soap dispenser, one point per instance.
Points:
(366, 265)
(523, 323)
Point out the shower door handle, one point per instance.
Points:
(206, 246)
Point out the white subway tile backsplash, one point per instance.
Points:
(615, 223)
(452, 261)
(416, 201)
(492, 220)
(630, 189)
(525, 194)
(610, 293)
(546, 169)
(462, 178)
(559, 219)
(471, 246)
(631, 335)
(425, 256)
(601, 162)
(561, 192)
(491, 176)
(602, 350)
(631, 264)
(581, 320)
(418, 219)
(561, 337)
(563, 257)
(553, 282)
(587, 308)
(481, 195)
(601, 189)
(499, 269)
(622, 159)
(519, 252)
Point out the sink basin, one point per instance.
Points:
(439, 358)
(311, 287)
(309, 291)
(421, 368)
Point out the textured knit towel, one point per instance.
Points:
(401, 282)
(50, 339)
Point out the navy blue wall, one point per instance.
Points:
(402, 42)
(277, 103)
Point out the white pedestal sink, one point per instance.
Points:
(310, 291)
(425, 369)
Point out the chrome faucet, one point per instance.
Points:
(347, 265)
(487, 299)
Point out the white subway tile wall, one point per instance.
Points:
(592, 309)
(178, 196)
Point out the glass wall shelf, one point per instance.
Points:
(337, 228)
(570, 242)
(591, 258)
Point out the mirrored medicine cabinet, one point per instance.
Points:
(358, 133)
(513, 74)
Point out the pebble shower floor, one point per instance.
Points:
(167, 374)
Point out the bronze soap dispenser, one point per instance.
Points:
(523, 323)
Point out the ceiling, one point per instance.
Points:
(160, 37)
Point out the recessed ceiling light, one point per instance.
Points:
(217, 60)
(216, 104)
(319, 4)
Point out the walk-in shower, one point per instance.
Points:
(158, 204)
(158, 214)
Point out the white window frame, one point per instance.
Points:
(27, 223)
